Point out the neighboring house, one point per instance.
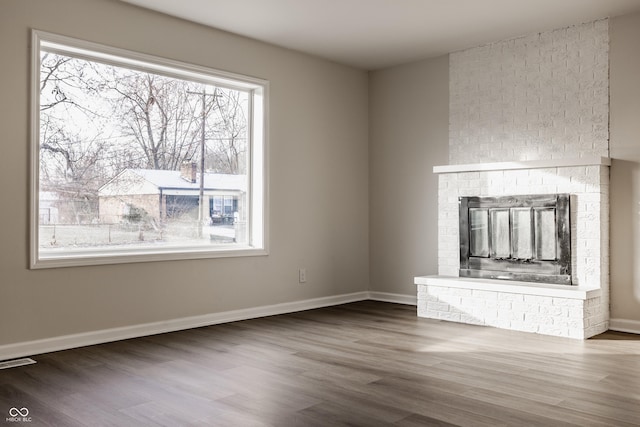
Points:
(48, 207)
(160, 195)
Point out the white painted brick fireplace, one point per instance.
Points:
(529, 116)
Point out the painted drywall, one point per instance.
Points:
(318, 182)
(409, 123)
(624, 57)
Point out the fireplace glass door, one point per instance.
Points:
(516, 238)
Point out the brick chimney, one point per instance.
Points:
(188, 171)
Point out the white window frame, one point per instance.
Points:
(257, 167)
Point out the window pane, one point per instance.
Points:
(545, 234)
(521, 229)
(500, 238)
(141, 161)
(479, 232)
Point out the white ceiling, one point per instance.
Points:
(373, 34)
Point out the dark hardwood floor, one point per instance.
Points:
(360, 364)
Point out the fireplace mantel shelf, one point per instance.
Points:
(530, 164)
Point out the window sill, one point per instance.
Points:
(86, 257)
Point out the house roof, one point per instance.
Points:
(48, 196)
(212, 181)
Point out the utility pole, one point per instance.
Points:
(201, 200)
(204, 114)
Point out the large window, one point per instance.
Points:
(139, 158)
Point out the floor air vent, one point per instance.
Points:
(16, 362)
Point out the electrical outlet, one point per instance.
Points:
(302, 275)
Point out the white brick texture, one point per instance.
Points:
(589, 209)
(589, 189)
(538, 97)
(565, 317)
(542, 96)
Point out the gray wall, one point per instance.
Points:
(409, 125)
(624, 125)
(318, 181)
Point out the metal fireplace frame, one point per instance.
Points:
(530, 269)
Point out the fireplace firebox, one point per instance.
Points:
(524, 238)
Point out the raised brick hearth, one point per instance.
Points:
(573, 312)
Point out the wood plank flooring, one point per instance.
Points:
(362, 364)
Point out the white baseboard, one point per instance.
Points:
(625, 325)
(397, 298)
(30, 348)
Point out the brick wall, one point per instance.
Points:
(112, 208)
(589, 189)
(537, 97)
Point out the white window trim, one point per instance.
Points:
(258, 159)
